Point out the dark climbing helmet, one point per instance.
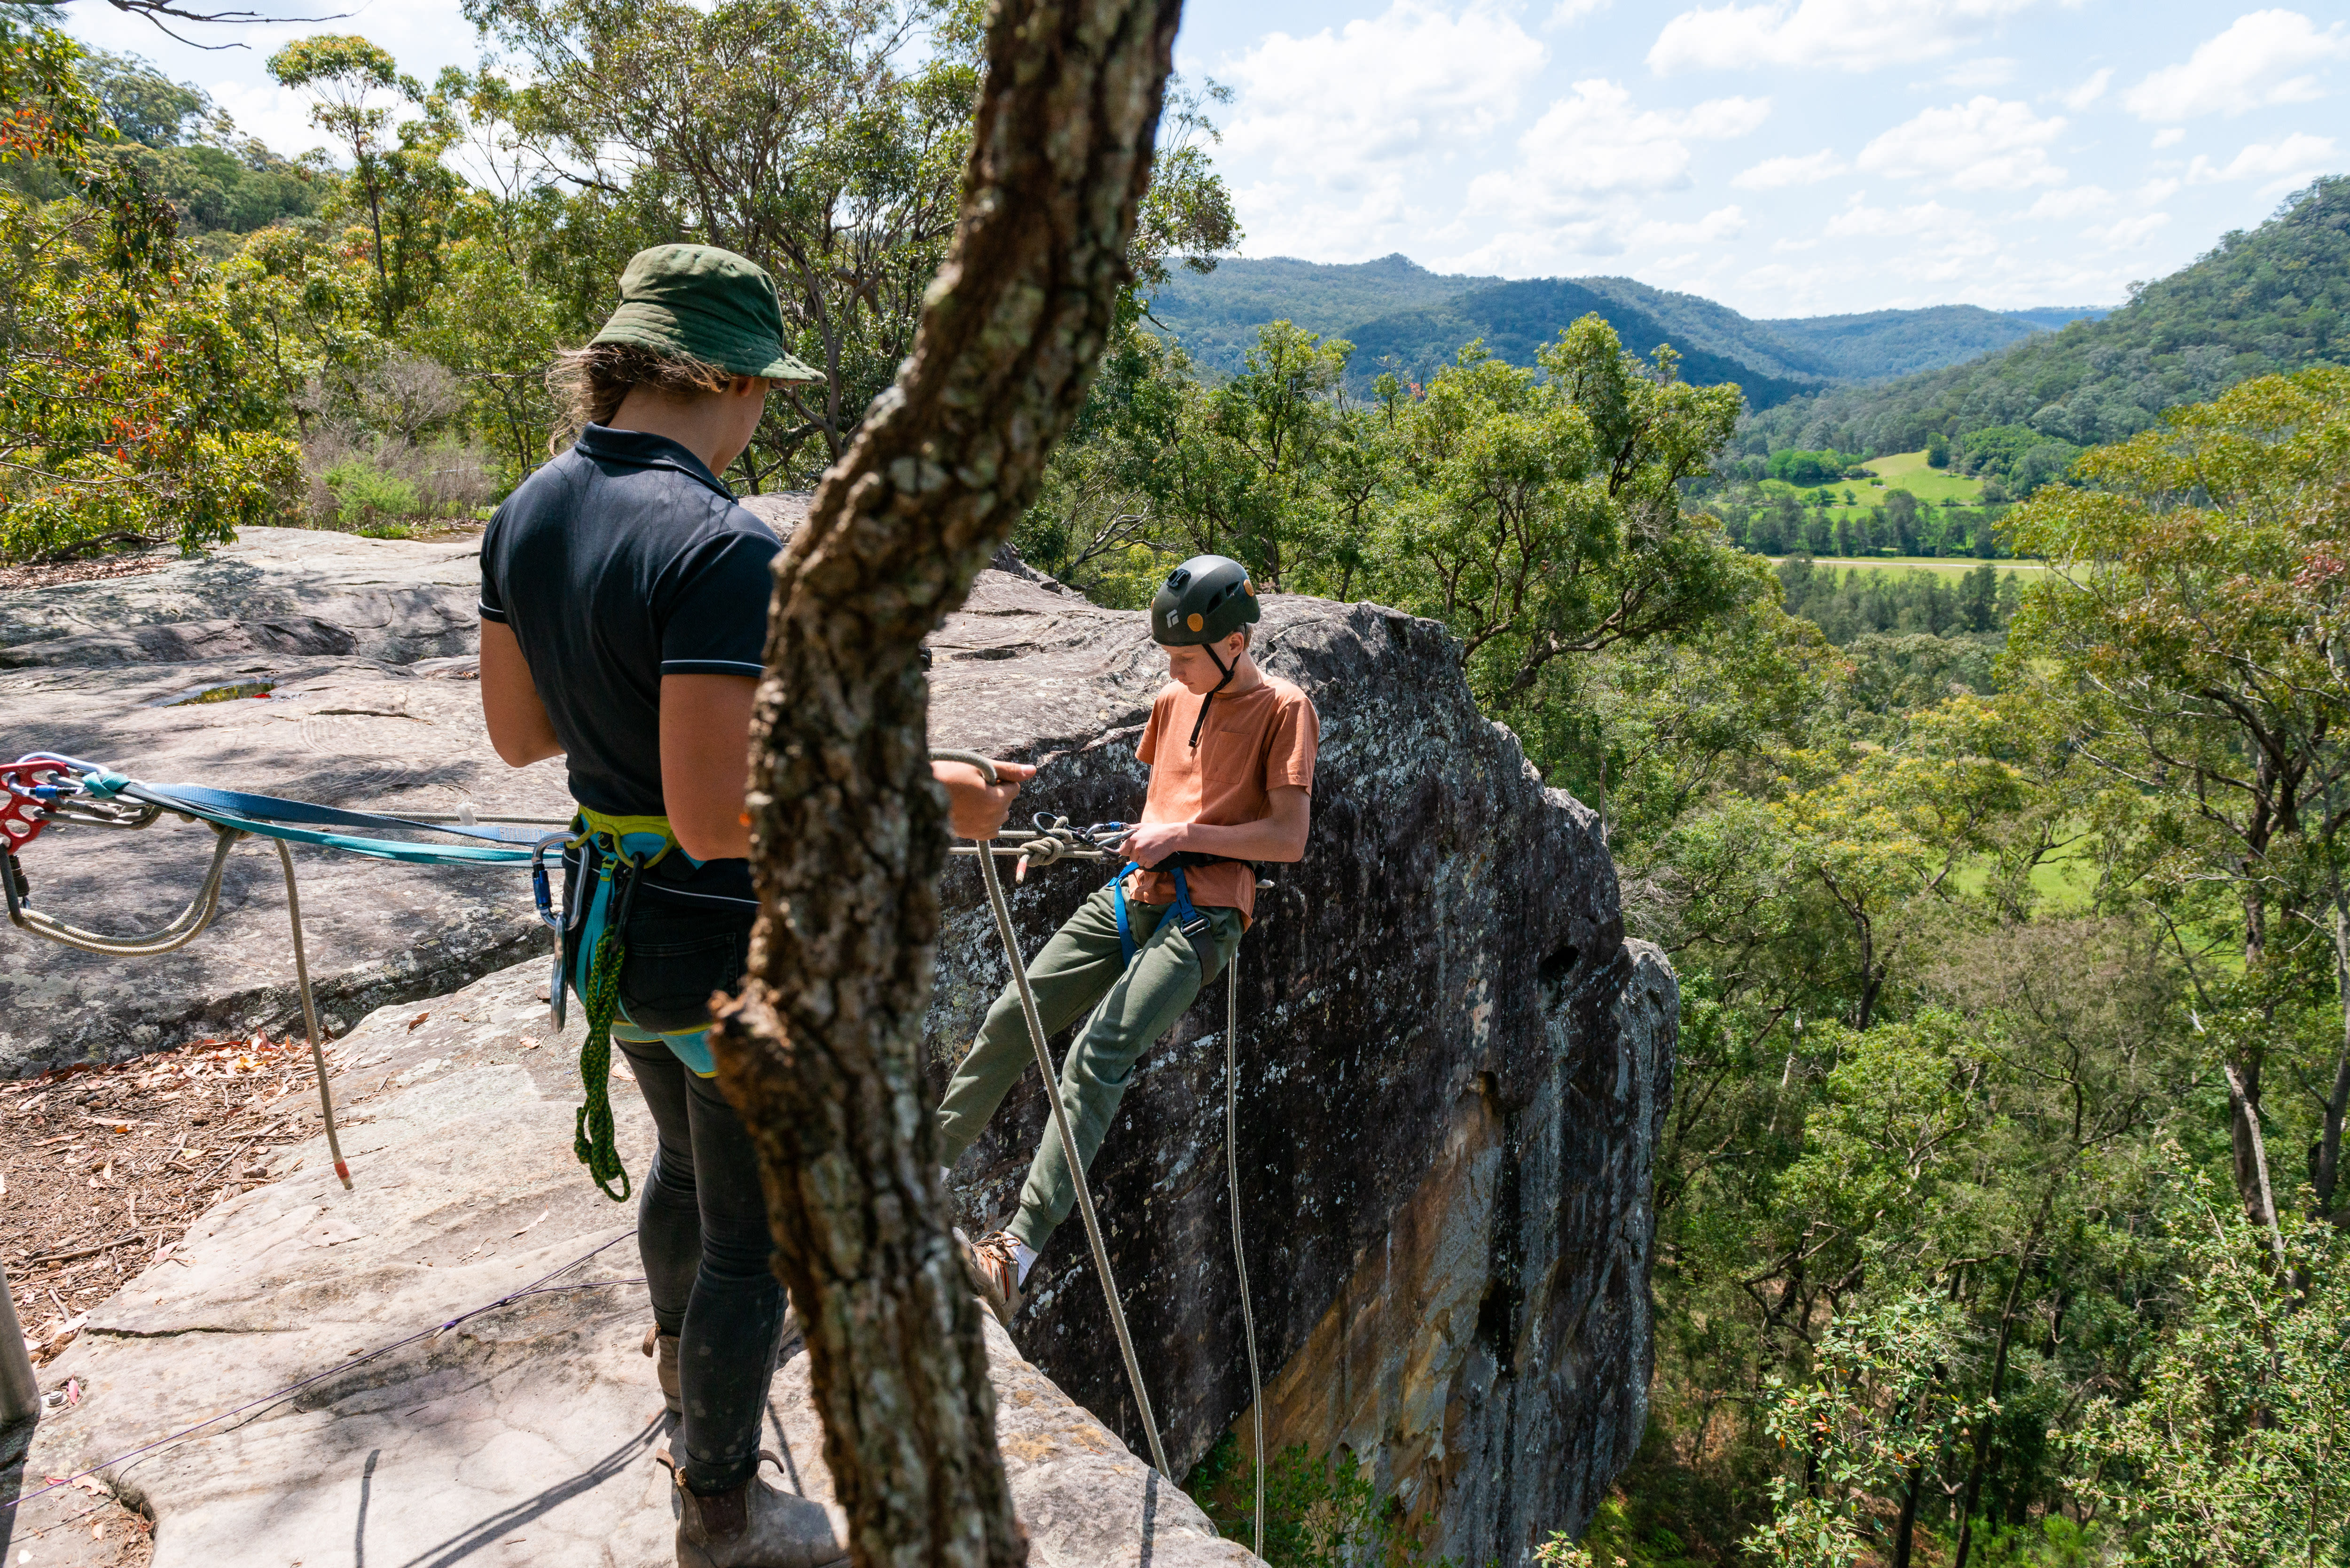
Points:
(1204, 600)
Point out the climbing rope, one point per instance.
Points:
(1240, 1253)
(1002, 908)
(44, 788)
(310, 1017)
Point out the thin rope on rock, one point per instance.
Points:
(535, 1288)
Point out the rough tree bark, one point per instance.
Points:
(821, 1052)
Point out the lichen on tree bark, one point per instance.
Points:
(821, 1050)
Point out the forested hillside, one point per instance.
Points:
(1515, 319)
(1215, 315)
(2269, 299)
(1880, 343)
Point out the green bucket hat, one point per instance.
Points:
(707, 303)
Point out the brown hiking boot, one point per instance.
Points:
(994, 1263)
(753, 1526)
(662, 1348)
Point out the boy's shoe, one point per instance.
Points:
(994, 1263)
(662, 1348)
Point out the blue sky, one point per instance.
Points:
(1787, 158)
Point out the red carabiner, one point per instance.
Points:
(21, 814)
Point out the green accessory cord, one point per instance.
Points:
(601, 995)
(592, 1137)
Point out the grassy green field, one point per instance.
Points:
(1948, 565)
(2066, 883)
(1902, 471)
(1908, 470)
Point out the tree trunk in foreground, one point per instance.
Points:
(821, 1052)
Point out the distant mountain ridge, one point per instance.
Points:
(2273, 298)
(1401, 316)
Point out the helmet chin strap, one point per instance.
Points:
(1227, 672)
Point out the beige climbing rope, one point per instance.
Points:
(185, 927)
(1002, 911)
(1240, 1254)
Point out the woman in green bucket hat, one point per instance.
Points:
(624, 618)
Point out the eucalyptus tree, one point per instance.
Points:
(347, 76)
(2192, 628)
(822, 1052)
(813, 136)
(1548, 518)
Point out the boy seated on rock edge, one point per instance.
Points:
(1232, 781)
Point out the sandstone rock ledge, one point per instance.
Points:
(522, 1436)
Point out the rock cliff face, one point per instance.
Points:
(1453, 1065)
(1453, 1073)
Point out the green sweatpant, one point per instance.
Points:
(1133, 1004)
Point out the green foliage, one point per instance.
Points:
(1319, 1512)
(2231, 1449)
(2269, 300)
(2021, 457)
(142, 103)
(1809, 468)
(1877, 1408)
(136, 404)
(365, 494)
(809, 138)
(1187, 213)
(1856, 603)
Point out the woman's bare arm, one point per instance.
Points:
(517, 721)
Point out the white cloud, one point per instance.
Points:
(1382, 87)
(1341, 120)
(2292, 158)
(1844, 35)
(1597, 143)
(2089, 91)
(1958, 227)
(1567, 11)
(2170, 135)
(1981, 144)
(1583, 179)
(2124, 233)
(2155, 192)
(1773, 173)
(2071, 203)
(1721, 223)
(2263, 58)
(1992, 70)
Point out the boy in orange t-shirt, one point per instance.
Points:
(1231, 751)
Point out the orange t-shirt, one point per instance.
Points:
(1256, 741)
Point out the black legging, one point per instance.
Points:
(702, 1227)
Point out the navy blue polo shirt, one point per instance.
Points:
(619, 562)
